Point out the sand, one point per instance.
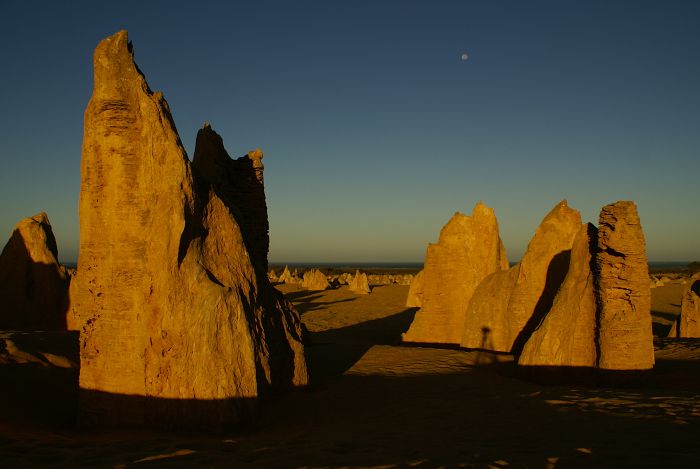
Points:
(375, 403)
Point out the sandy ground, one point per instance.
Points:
(374, 403)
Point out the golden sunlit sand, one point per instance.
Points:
(376, 403)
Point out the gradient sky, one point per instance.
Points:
(374, 130)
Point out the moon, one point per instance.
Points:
(465, 56)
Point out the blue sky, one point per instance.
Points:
(374, 130)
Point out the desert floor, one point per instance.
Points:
(375, 403)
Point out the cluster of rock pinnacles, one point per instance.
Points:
(180, 326)
(580, 296)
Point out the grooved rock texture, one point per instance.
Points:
(469, 249)
(33, 285)
(624, 296)
(315, 280)
(414, 299)
(507, 308)
(177, 327)
(566, 337)
(689, 320)
(240, 184)
(359, 283)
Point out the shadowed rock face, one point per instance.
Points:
(240, 184)
(509, 305)
(469, 249)
(33, 285)
(689, 320)
(414, 299)
(624, 296)
(167, 298)
(566, 337)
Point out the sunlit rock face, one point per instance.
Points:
(314, 279)
(414, 299)
(359, 283)
(469, 249)
(689, 320)
(624, 295)
(177, 325)
(566, 336)
(509, 305)
(33, 285)
(601, 317)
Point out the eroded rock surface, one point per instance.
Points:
(240, 184)
(415, 292)
(624, 295)
(314, 279)
(33, 285)
(359, 283)
(507, 308)
(566, 337)
(178, 327)
(469, 249)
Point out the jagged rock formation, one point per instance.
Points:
(286, 276)
(178, 327)
(272, 276)
(315, 280)
(624, 296)
(414, 299)
(359, 284)
(567, 335)
(33, 285)
(689, 320)
(507, 306)
(239, 183)
(469, 249)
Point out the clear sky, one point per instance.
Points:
(374, 129)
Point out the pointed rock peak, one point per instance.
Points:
(206, 125)
(257, 153)
(483, 211)
(41, 218)
(562, 213)
(33, 285)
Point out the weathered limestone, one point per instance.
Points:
(239, 183)
(566, 337)
(178, 327)
(469, 249)
(624, 296)
(689, 320)
(314, 279)
(414, 299)
(507, 307)
(359, 283)
(286, 276)
(33, 285)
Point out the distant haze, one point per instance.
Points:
(375, 129)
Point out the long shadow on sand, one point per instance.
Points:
(306, 300)
(334, 351)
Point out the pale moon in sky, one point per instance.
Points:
(465, 56)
